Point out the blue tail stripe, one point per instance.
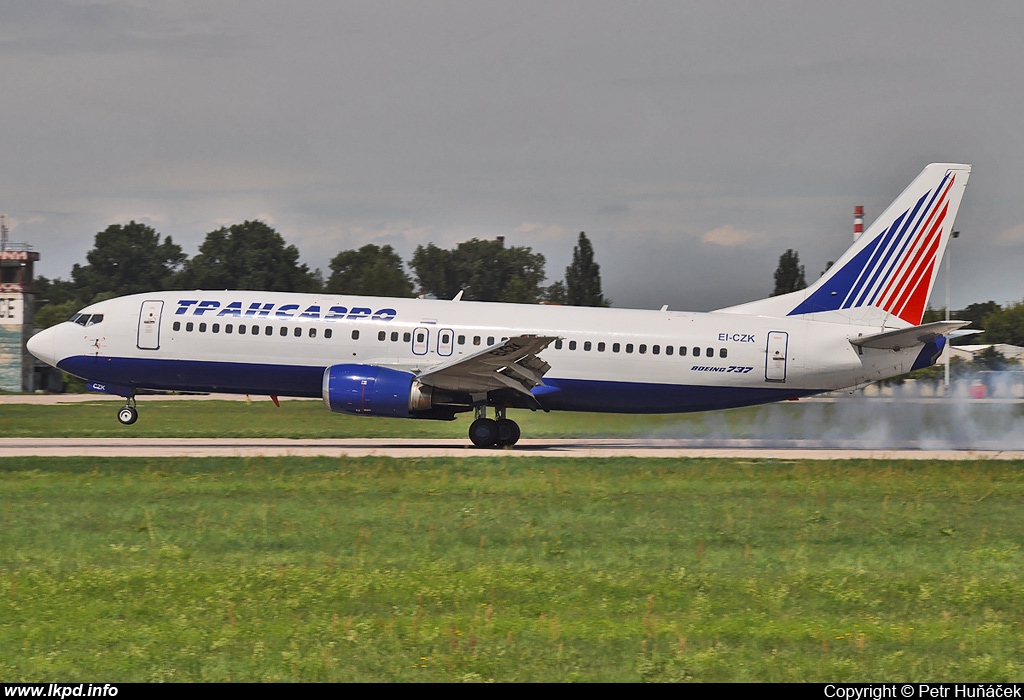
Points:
(895, 252)
(881, 246)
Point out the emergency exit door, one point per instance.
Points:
(149, 325)
(775, 360)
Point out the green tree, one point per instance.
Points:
(371, 270)
(789, 275)
(485, 270)
(127, 259)
(1005, 325)
(583, 276)
(555, 293)
(250, 255)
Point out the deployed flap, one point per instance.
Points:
(512, 364)
(908, 337)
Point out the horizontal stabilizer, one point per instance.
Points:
(908, 337)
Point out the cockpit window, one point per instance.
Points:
(86, 319)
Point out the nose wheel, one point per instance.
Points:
(488, 432)
(128, 414)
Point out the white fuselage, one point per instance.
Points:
(615, 360)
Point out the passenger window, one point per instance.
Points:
(629, 347)
(269, 330)
(615, 347)
(202, 327)
(655, 349)
(643, 349)
(668, 349)
(298, 332)
(476, 340)
(723, 353)
(241, 329)
(355, 335)
(284, 331)
(382, 335)
(255, 329)
(215, 328)
(312, 333)
(394, 336)
(696, 352)
(328, 332)
(682, 351)
(176, 326)
(490, 340)
(710, 352)
(587, 346)
(406, 337)
(228, 328)
(572, 344)
(462, 340)
(189, 326)
(558, 344)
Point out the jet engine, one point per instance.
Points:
(375, 391)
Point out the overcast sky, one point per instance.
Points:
(694, 142)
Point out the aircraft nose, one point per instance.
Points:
(44, 346)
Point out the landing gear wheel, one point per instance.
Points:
(484, 432)
(128, 415)
(508, 432)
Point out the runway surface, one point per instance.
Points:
(421, 448)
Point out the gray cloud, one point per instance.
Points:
(648, 125)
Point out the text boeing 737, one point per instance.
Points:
(416, 358)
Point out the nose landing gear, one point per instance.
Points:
(487, 432)
(128, 414)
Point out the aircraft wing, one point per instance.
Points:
(908, 337)
(513, 364)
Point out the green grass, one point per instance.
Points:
(298, 419)
(875, 421)
(510, 569)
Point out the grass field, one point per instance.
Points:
(506, 569)
(881, 424)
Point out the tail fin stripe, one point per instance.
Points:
(924, 259)
(881, 249)
(894, 251)
(916, 296)
(905, 243)
(900, 282)
(899, 278)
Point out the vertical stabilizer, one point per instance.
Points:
(886, 276)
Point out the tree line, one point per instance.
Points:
(133, 258)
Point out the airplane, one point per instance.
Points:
(433, 359)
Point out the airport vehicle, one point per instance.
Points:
(432, 359)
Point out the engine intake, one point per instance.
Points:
(375, 391)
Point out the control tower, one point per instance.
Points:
(16, 312)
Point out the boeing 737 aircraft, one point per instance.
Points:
(418, 358)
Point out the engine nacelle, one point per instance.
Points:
(375, 391)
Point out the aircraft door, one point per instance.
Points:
(775, 359)
(445, 342)
(149, 325)
(420, 341)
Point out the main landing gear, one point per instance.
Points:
(129, 414)
(487, 432)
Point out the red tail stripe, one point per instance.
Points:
(895, 279)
